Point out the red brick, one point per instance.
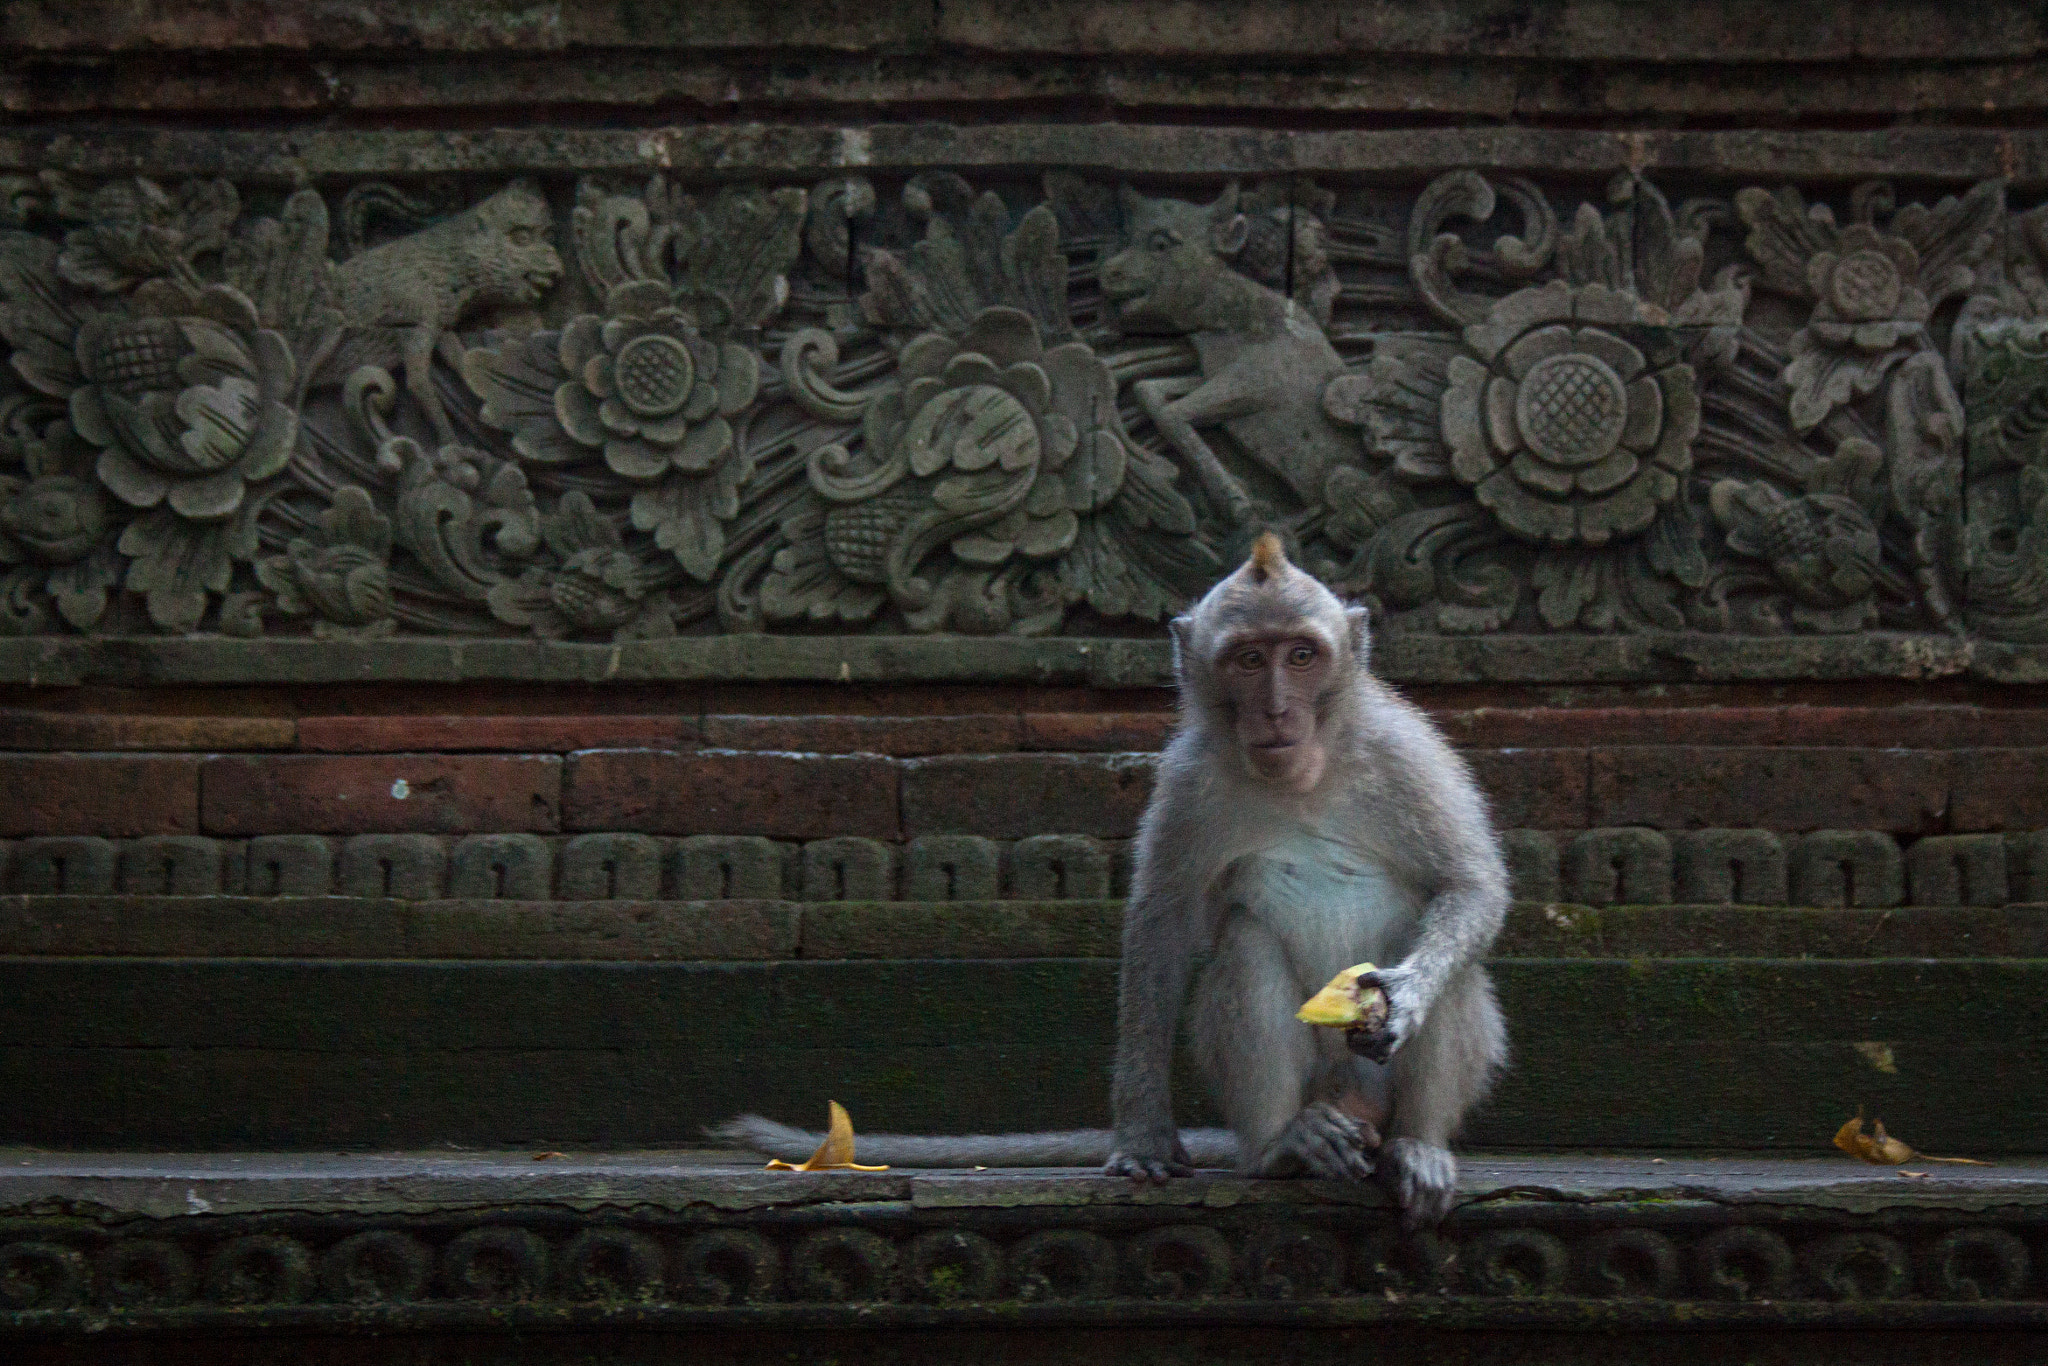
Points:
(1129, 731)
(1688, 787)
(2000, 789)
(1568, 727)
(99, 794)
(1010, 796)
(1543, 789)
(720, 792)
(980, 733)
(522, 734)
(105, 731)
(358, 794)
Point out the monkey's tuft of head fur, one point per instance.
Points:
(1266, 595)
(1268, 555)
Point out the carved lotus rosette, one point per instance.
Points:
(1559, 425)
(996, 449)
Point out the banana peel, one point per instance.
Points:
(1347, 1002)
(835, 1154)
(1880, 1149)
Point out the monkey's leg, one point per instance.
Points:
(1175, 408)
(1439, 1075)
(419, 380)
(1263, 1064)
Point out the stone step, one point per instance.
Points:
(1754, 1053)
(630, 930)
(644, 1257)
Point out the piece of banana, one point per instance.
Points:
(1346, 1003)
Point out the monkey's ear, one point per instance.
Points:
(1228, 235)
(1357, 619)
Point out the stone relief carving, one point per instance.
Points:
(609, 410)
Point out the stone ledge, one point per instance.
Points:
(1683, 657)
(681, 931)
(158, 1244)
(749, 151)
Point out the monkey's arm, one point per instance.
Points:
(1469, 902)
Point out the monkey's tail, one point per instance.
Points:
(1070, 1148)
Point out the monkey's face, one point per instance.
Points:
(1274, 685)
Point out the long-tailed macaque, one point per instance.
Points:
(1306, 818)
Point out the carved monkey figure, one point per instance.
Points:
(1306, 818)
(410, 293)
(1264, 360)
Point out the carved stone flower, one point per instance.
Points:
(1560, 425)
(1006, 443)
(189, 400)
(596, 589)
(57, 519)
(57, 525)
(648, 390)
(1873, 289)
(644, 387)
(1822, 547)
(338, 574)
(136, 230)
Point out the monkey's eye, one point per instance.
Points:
(522, 237)
(1301, 656)
(1250, 659)
(1164, 238)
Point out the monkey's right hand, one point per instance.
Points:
(1149, 1157)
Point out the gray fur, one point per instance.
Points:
(1073, 1148)
(1397, 838)
(1389, 857)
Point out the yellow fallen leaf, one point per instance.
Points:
(1880, 1149)
(1345, 1003)
(835, 1154)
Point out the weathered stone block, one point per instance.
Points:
(1533, 787)
(786, 796)
(726, 867)
(950, 868)
(290, 865)
(1532, 864)
(2000, 789)
(413, 867)
(1628, 866)
(1846, 868)
(1014, 796)
(2026, 865)
(70, 865)
(1680, 787)
(1059, 868)
(512, 867)
(171, 865)
(347, 794)
(1123, 854)
(612, 866)
(849, 868)
(99, 794)
(1957, 870)
(1729, 867)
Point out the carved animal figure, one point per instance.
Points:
(1306, 819)
(1264, 359)
(408, 295)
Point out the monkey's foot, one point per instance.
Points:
(1155, 1162)
(1325, 1141)
(1422, 1176)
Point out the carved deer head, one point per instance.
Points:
(1177, 255)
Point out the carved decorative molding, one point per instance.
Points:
(607, 409)
(553, 1268)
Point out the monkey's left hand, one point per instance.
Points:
(1404, 1014)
